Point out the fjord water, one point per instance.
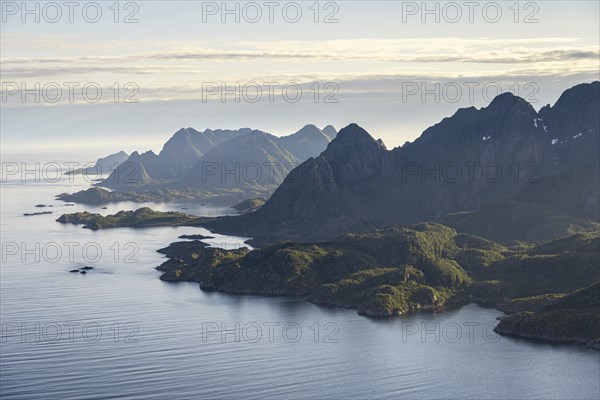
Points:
(120, 332)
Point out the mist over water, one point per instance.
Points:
(120, 332)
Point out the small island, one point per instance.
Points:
(196, 237)
(98, 196)
(37, 213)
(140, 218)
(167, 194)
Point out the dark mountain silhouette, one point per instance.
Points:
(177, 157)
(221, 159)
(217, 166)
(307, 142)
(254, 159)
(186, 147)
(257, 159)
(330, 131)
(103, 165)
(478, 169)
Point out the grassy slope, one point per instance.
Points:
(398, 270)
(574, 317)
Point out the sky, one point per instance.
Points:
(126, 75)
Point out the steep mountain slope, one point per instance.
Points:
(330, 131)
(221, 159)
(254, 159)
(472, 157)
(573, 124)
(103, 165)
(186, 147)
(176, 158)
(307, 142)
(257, 159)
(335, 187)
(466, 163)
(138, 169)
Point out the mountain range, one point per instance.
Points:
(220, 159)
(505, 172)
(497, 205)
(103, 165)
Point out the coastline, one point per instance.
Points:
(172, 271)
(374, 291)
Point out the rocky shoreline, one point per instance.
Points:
(325, 274)
(374, 275)
(532, 333)
(562, 318)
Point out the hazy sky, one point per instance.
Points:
(371, 62)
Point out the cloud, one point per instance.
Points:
(382, 87)
(177, 69)
(483, 50)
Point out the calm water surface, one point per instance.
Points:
(119, 332)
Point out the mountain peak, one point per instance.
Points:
(309, 126)
(184, 131)
(256, 134)
(584, 92)
(307, 142)
(355, 135)
(329, 131)
(503, 100)
(306, 130)
(356, 183)
(506, 102)
(357, 154)
(354, 132)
